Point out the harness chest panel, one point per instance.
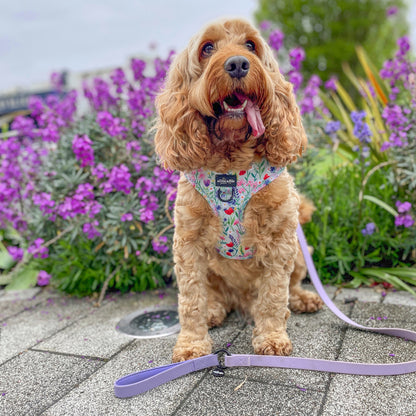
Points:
(228, 195)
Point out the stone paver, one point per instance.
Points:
(61, 356)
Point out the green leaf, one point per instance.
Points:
(25, 279)
(381, 204)
(6, 260)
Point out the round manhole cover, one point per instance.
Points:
(150, 323)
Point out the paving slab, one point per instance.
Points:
(363, 294)
(95, 396)
(391, 395)
(15, 301)
(316, 335)
(230, 396)
(68, 353)
(31, 326)
(95, 335)
(33, 381)
(402, 298)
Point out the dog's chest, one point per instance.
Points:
(228, 195)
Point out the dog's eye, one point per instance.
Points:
(250, 45)
(207, 50)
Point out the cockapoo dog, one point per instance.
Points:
(228, 121)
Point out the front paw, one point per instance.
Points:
(305, 301)
(273, 343)
(187, 349)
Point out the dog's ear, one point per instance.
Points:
(285, 135)
(181, 139)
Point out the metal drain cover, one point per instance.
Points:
(151, 322)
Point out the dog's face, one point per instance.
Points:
(225, 90)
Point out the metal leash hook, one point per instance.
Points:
(218, 371)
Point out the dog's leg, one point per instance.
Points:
(270, 313)
(191, 272)
(301, 300)
(218, 301)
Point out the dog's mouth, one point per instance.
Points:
(239, 105)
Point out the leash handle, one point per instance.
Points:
(143, 381)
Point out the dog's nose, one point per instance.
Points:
(237, 66)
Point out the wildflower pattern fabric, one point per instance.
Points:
(228, 195)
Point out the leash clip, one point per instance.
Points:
(218, 371)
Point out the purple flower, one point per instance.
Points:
(111, 125)
(398, 124)
(99, 95)
(81, 203)
(158, 247)
(403, 207)
(126, 217)
(43, 278)
(37, 250)
(276, 39)
(81, 146)
(44, 201)
(16, 253)
(265, 25)
(119, 180)
(331, 83)
(296, 57)
(311, 99)
(369, 229)
(119, 79)
(405, 220)
(391, 11)
(404, 45)
(58, 80)
(99, 171)
(138, 66)
(90, 230)
(296, 78)
(24, 126)
(331, 128)
(361, 129)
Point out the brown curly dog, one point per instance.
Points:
(229, 122)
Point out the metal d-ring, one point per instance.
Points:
(219, 192)
(218, 371)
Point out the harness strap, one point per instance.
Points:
(143, 381)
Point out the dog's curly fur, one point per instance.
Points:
(194, 132)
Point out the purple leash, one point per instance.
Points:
(143, 381)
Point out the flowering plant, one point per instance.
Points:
(93, 209)
(90, 184)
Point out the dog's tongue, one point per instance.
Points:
(253, 116)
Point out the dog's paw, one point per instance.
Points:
(216, 317)
(305, 301)
(193, 349)
(273, 343)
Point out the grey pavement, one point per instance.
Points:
(60, 355)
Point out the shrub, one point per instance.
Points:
(91, 209)
(85, 189)
(328, 30)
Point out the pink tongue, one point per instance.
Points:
(253, 116)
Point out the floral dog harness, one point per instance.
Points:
(228, 194)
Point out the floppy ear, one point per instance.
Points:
(181, 141)
(285, 135)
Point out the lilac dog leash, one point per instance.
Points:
(143, 381)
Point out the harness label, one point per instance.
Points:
(229, 181)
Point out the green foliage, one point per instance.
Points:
(342, 251)
(81, 269)
(329, 30)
